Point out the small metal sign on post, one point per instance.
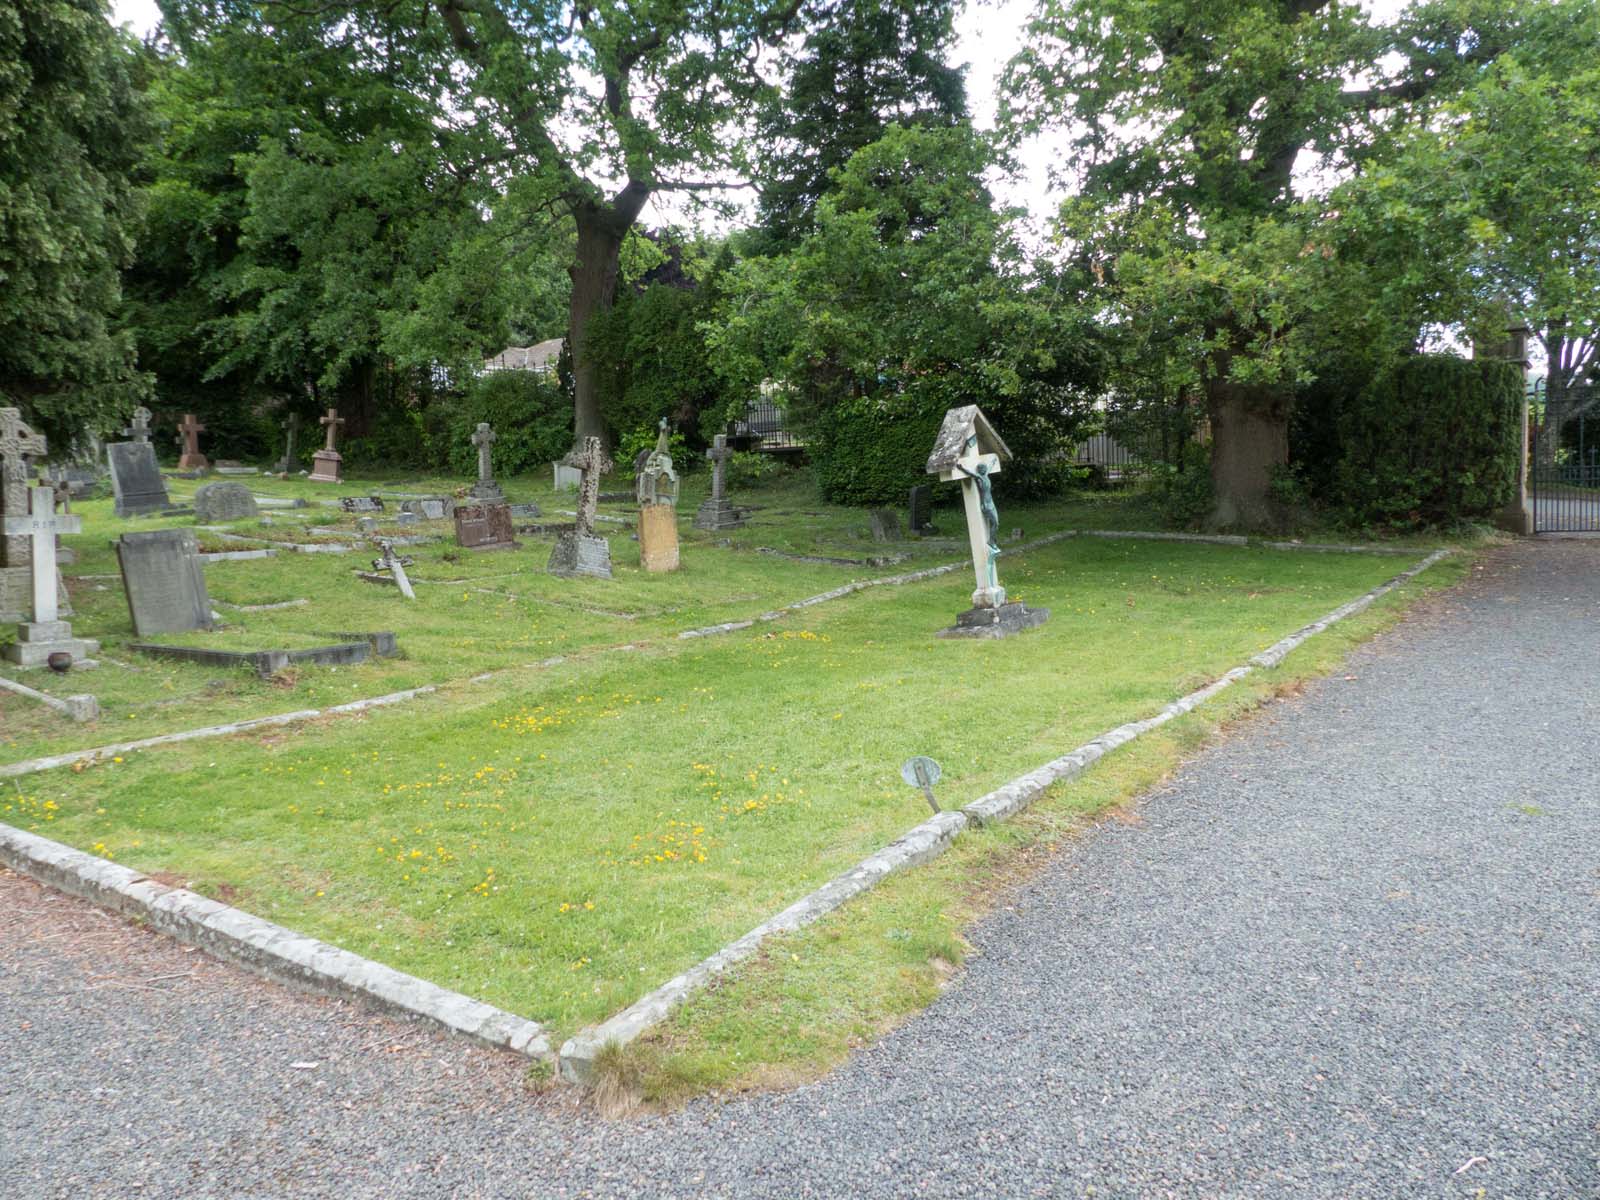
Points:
(922, 772)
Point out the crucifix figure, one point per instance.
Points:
(486, 488)
(139, 429)
(593, 461)
(16, 441)
(326, 463)
(191, 459)
(47, 633)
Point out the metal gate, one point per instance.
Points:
(1565, 460)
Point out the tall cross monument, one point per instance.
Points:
(191, 459)
(47, 633)
(970, 452)
(327, 463)
(580, 551)
(486, 488)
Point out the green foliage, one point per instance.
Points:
(910, 297)
(652, 357)
(71, 128)
(862, 65)
(1432, 442)
(747, 469)
(531, 416)
(1182, 492)
(631, 443)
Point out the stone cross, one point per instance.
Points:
(191, 430)
(593, 462)
(333, 420)
(483, 439)
(396, 566)
(718, 454)
(41, 526)
(16, 440)
(292, 427)
(139, 429)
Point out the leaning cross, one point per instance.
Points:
(41, 526)
(333, 420)
(718, 454)
(139, 429)
(483, 439)
(16, 440)
(396, 565)
(593, 462)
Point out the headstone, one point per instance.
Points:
(567, 476)
(486, 488)
(138, 429)
(326, 464)
(656, 488)
(715, 511)
(361, 504)
(290, 429)
(164, 580)
(580, 552)
(18, 443)
(885, 524)
(920, 514)
(430, 508)
(136, 479)
(189, 432)
(224, 502)
(366, 524)
(396, 565)
(406, 518)
(46, 634)
(484, 526)
(968, 450)
(524, 511)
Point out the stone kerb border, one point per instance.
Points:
(925, 842)
(264, 947)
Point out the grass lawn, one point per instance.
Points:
(559, 839)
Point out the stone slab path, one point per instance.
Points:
(1352, 951)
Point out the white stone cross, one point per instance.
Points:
(41, 525)
(396, 566)
(973, 470)
(483, 439)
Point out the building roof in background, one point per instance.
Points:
(540, 357)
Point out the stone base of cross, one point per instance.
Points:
(47, 633)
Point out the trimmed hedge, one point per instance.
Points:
(1433, 441)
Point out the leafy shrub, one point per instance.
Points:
(1183, 496)
(871, 450)
(531, 416)
(1434, 441)
(629, 445)
(747, 469)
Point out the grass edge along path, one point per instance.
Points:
(585, 1056)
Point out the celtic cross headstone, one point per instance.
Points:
(486, 488)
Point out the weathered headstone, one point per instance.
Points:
(579, 551)
(366, 524)
(486, 488)
(523, 511)
(224, 502)
(484, 527)
(430, 508)
(715, 511)
(396, 565)
(136, 479)
(46, 633)
(969, 451)
(164, 580)
(567, 476)
(361, 504)
(920, 514)
(406, 518)
(18, 443)
(191, 459)
(327, 463)
(656, 487)
(885, 523)
(290, 429)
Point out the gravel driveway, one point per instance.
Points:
(1352, 951)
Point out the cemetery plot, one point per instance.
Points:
(560, 841)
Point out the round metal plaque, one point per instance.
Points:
(920, 772)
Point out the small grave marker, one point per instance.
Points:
(922, 772)
(483, 527)
(291, 428)
(224, 502)
(656, 489)
(361, 504)
(189, 434)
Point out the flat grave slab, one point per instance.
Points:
(351, 648)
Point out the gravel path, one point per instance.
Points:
(1352, 951)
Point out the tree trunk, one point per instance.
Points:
(601, 228)
(1249, 439)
